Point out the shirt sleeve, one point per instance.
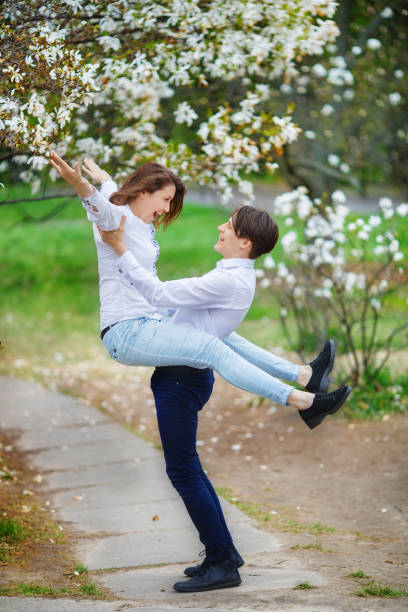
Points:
(216, 289)
(108, 187)
(99, 210)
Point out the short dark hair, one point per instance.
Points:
(257, 226)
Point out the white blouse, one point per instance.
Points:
(120, 301)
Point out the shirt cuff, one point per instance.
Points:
(90, 200)
(127, 259)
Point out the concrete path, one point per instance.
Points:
(110, 487)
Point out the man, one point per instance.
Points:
(217, 303)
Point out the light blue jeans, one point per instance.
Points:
(152, 342)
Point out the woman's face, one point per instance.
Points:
(149, 206)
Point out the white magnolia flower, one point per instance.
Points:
(268, 262)
(327, 110)
(265, 283)
(402, 210)
(345, 168)
(373, 44)
(185, 114)
(356, 50)
(395, 98)
(338, 197)
(376, 304)
(387, 12)
(333, 160)
(319, 70)
(310, 134)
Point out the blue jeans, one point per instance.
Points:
(152, 342)
(179, 396)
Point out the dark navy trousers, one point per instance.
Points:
(180, 392)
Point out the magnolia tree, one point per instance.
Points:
(352, 104)
(340, 275)
(111, 79)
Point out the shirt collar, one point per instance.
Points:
(236, 262)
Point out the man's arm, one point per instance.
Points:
(216, 289)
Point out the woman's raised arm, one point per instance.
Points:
(99, 209)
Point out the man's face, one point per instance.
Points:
(229, 245)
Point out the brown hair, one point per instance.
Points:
(257, 226)
(151, 177)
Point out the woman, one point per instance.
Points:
(149, 196)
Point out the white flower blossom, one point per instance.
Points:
(268, 262)
(402, 210)
(374, 44)
(395, 98)
(327, 110)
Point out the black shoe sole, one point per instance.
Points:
(324, 383)
(225, 585)
(318, 418)
(240, 564)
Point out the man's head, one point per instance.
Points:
(249, 233)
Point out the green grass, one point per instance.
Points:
(11, 530)
(358, 574)
(304, 586)
(32, 590)
(374, 589)
(81, 569)
(49, 287)
(89, 588)
(313, 546)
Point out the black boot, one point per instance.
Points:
(235, 558)
(214, 576)
(321, 368)
(324, 404)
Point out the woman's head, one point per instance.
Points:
(154, 193)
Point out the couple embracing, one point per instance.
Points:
(185, 329)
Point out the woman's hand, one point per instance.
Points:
(72, 176)
(95, 172)
(115, 238)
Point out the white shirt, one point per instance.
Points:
(216, 302)
(120, 301)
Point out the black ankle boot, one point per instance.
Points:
(324, 404)
(235, 558)
(215, 576)
(321, 366)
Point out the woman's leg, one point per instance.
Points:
(178, 399)
(270, 363)
(152, 342)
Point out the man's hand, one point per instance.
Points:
(115, 238)
(72, 176)
(94, 171)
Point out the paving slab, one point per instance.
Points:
(90, 454)
(37, 604)
(157, 582)
(131, 472)
(164, 546)
(38, 439)
(110, 484)
(143, 516)
(115, 494)
(28, 406)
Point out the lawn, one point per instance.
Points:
(49, 288)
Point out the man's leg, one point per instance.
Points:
(178, 399)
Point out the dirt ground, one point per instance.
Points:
(336, 497)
